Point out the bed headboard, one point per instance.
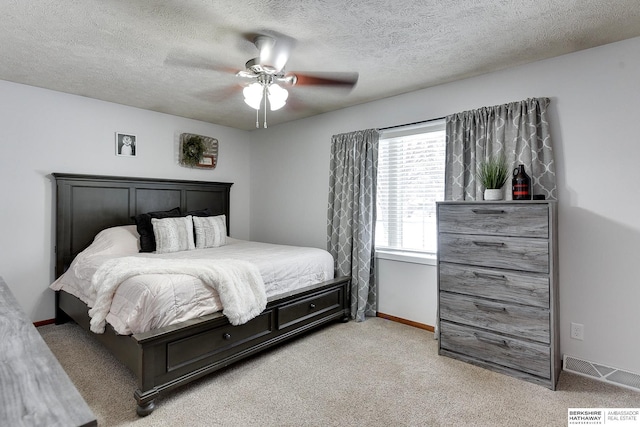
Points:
(87, 204)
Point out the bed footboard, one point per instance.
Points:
(169, 357)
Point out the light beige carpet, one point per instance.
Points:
(375, 373)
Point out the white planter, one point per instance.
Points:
(493, 194)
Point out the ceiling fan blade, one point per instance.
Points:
(219, 95)
(341, 80)
(181, 59)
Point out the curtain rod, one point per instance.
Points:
(410, 124)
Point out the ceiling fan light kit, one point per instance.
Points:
(265, 89)
(276, 94)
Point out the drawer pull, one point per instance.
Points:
(489, 244)
(490, 276)
(490, 308)
(498, 342)
(226, 336)
(488, 211)
(312, 306)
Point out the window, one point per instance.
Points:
(411, 162)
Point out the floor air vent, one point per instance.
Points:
(602, 373)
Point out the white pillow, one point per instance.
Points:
(173, 234)
(123, 239)
(211, 231)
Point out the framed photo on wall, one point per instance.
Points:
(126, 145)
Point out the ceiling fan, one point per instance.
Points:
(265, 79)
(267, 76)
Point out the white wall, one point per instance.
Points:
(406, 289)
(594, 113)
(43, 131)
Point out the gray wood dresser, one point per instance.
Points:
(498, 287)
(35, 390)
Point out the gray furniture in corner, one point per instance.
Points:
(35, 390)
(498, 287)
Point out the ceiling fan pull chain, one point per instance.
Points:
(265, 107)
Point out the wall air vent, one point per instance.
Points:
(601, 372)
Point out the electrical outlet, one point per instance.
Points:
(577, 331)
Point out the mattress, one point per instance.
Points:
(150, 301)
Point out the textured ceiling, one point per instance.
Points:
(176, 56)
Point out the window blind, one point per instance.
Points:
(411, 163)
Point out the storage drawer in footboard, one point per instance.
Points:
(307, 309)
(217, 342)
(486, 346)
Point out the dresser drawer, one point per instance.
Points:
(513, 253)
(503, 285)
(307, 308)
(516, 354)
(529, 220)
(525, 322)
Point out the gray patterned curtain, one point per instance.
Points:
(352, 215)
(519, 130)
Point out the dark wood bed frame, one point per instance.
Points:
(175, 355)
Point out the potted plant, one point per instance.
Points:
(493, 174)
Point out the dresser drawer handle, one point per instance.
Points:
(490, 308)
(488, 211)
(312, 306)
(498, 342)
(226, 336)
(489, 244)
(490, 276)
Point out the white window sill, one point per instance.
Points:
(410, 257)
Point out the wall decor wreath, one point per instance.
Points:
(197, 151)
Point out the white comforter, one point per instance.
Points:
(149, 301)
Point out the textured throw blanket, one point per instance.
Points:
(239, 284)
